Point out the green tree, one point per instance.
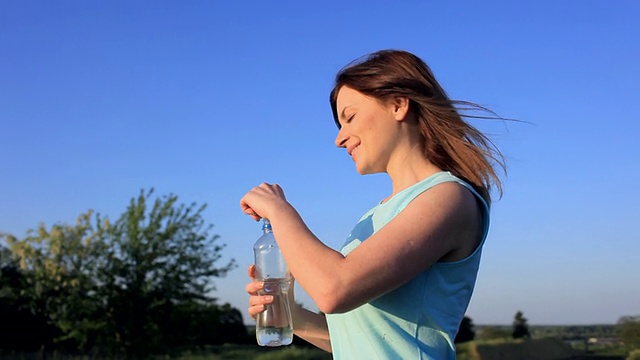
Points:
(20, 329)
(628, 328)
(6, 258)
(59, 267)
(634, 355)
(520, 326)
(122, 287)
(158, 260)
(466, 330)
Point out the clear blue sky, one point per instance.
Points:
(206, 99)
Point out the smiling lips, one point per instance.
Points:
(351, 149)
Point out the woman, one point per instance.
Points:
(400, 285)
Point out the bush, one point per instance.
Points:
(634, 355)
(628, 328)
(467, 351)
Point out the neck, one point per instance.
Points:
(409, 167)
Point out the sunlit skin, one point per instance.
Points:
(441, 224)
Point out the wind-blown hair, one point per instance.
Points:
(449, 142)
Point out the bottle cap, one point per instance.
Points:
(266, 224)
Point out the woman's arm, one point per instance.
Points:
(311, 326)
(444, 222)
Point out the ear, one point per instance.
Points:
(399, 105)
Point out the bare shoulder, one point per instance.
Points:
(448, 201)
(458, 212)
(446, 218)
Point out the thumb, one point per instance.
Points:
(251, 271)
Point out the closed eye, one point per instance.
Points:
(350, 118)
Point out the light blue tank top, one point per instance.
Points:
(420, 319)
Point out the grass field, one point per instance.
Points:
(242, 352)
(226, 352)
(535, 349)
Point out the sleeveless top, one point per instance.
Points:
(420, 319)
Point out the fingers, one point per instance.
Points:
(246, 208)
(254, 310)
(253, 287)
(257, 303)
(254, 202)
(258, 300)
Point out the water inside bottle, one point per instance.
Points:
(273, 336)
(273, 326)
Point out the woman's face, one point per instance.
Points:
(368, 130)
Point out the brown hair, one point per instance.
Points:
(449, 141)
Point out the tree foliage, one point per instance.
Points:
(466, 331)
(58, 266)
(158, 259)
(634, 355)
(628, 329)
(20, 329)
(122, 287)
(520, 326)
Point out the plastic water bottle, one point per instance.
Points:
(273, 326)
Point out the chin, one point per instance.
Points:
(365, 171)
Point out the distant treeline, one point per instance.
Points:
(566, 332)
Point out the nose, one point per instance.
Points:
(341, 138)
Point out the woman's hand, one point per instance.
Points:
(257, 303)
(261, 200)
